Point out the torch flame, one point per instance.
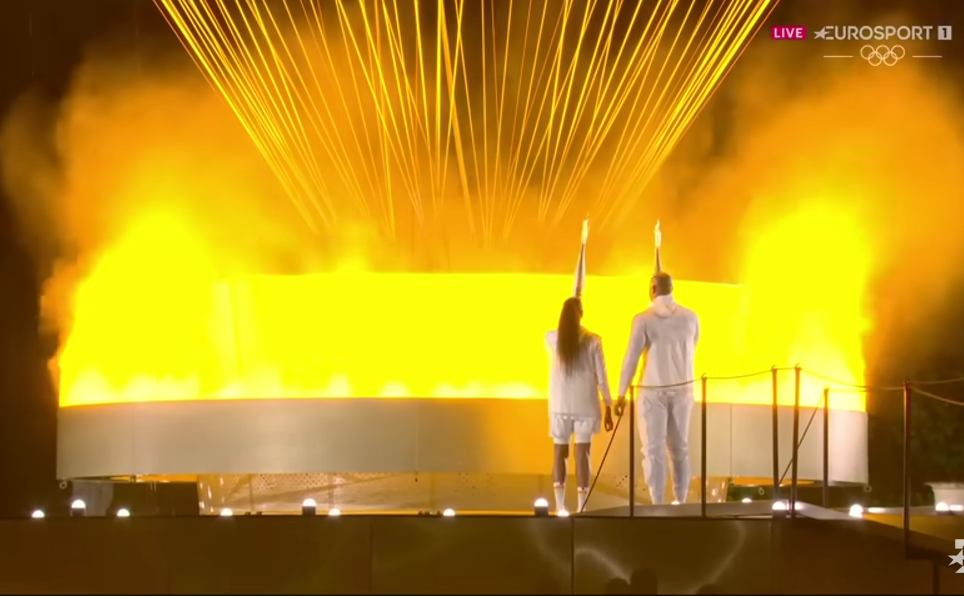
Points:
(585, 230)
(658, 235)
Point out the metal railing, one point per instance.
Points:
(907, 388)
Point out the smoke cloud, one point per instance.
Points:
(830, 182)
(855, 169)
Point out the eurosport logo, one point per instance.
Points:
(885, 33)
(958, 558)
(865, 33)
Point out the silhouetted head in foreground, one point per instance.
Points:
(644, 582)
(569, 333)
(616, 587)
(660, 284)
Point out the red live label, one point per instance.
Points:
(788, 32)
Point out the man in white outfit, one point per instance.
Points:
(666, 333)
(577, 375)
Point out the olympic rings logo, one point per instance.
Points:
(882, 55)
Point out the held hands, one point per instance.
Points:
(620, 406)
(608, 419)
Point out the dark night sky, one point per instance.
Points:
(41, 41)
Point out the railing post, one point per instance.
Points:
(703, 419)
(632, 452)
(795, 449)
(906, 469)
(776, 437)
(826, 447)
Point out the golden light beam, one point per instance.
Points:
(473, 139)
(368, 174)
(573, 89)
(500, 109)
(308, 107)
(601, 127)
(594, 72)
(283, 82)
(630, 141)
(558, 163)
(739, 19)
(284, 113)
(514, 191)
(649, 108)
(403, 90)
(390, 136)
(453, 130)
(260, 129)
(215, 39)
(328, 140)
(537, 142)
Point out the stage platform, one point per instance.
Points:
(740, 549)
(418, 454)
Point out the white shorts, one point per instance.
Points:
(562, 428)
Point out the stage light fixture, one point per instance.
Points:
(746, 500)
(123, 513)
(309, 507)
(38, 515)
(783, 506)
(562, 513)
(448, 512)
(541, 507)
(942, 507)
(856, 510)
(334, 512)
(956, 507)
(78, 508)
(876, 510)
(674, 502)
(226, 512)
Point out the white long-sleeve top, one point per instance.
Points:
(667, 333)
(575, 394)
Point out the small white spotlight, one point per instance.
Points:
(562, 513)
(956, 507)
(78, 508)
(448, 512)
(309, 507)
(541, 507)
(37, 515)
(780, 506)
(226, 512)
(942, 507)
(334, 512)
(876, 510)
(746, 500)
(856, 510)
(123, 513)
(674, 502)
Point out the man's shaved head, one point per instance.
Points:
(662, 284)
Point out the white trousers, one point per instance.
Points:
(664, 426)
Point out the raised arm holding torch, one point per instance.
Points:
(666, 333)
(577, 377)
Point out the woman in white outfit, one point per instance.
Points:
(577, 375)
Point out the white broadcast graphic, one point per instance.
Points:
(886, 55)
(958, 560)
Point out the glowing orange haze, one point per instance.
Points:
(152, 322)
(160, 193)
